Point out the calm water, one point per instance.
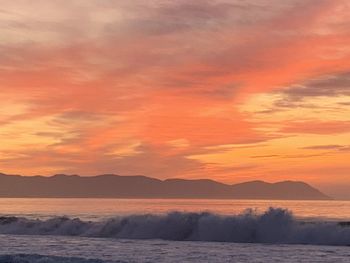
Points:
(95, 209)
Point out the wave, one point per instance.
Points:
(276, 226)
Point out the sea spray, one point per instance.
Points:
(276, 226)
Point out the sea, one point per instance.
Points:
(172, 230)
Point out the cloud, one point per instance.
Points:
(317, 127)
(141, 86)
(144, 159)
(265, 156)
(179, 16)
(325, 86)
(328, 147)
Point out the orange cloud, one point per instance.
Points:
(143, 88)
(321, 127)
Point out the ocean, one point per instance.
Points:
(175, 230)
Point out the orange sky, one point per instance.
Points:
(228, 90)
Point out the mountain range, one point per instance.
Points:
(116, 186)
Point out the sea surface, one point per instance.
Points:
(175, 230)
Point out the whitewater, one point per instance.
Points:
(106, 234)
(275, 226)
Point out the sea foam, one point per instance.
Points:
(277, 226)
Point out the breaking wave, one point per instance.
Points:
(276, 226)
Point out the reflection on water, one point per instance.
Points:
(94, 209)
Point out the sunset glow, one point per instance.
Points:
(227, 90)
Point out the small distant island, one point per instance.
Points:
(116, 186)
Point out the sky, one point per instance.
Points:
(231, 90)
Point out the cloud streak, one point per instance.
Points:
(143, 87)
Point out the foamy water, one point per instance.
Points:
(275, 226)
(122, 230)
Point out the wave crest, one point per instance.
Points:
(274, 226)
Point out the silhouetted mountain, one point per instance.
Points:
(109, 186)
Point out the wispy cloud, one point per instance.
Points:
(117, 86)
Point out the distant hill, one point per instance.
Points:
(116, 186)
